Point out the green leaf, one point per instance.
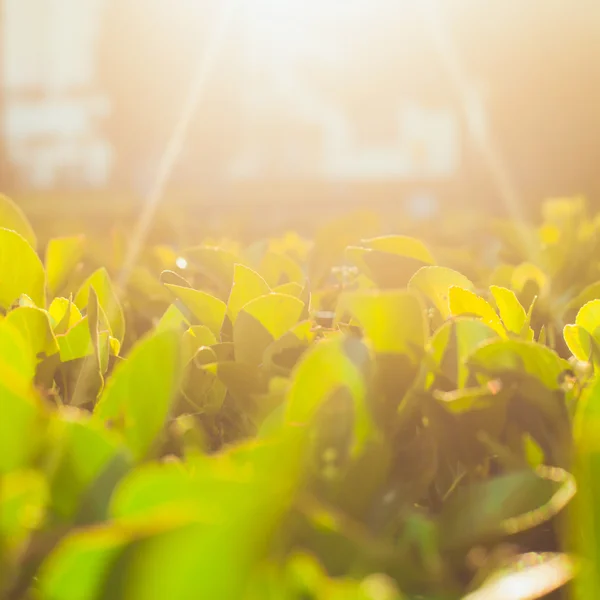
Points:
(34, 326)
(193, 339)
(499, 357)
(22, 271)
(291, 288)
(172, 319)
(454, 342)
(63, 315)
(22, 506)
(393, 321)
(13, 218)
(464, 302)
(588, 318)
(81, 449)
(503, 505)
(390, 261)
(584, 521)
(331, 365)
(207, 309)
(62, 256)
(21, 425)
(511, 312)
(262, 321)
(141, 389)
(107, 299)
(277, 269)
(435, 283)
(247, 285)
(579, 341)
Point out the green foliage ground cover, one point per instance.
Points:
(356, 416)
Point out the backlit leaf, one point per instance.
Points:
(22, 271)
(141, 389)
(206, 309)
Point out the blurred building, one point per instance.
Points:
(319, 92)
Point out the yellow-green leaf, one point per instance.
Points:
(63, 315)
(34, 326)
(247, 285)
(393, 321)
(579, 341)
(21, 269)
(262, 321)
(435, 283)
(511, 312)
(465, 302)
(138, 395)
(107, 299)
(13, 218)
(207, 309)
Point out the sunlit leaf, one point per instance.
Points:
(278, 269)
(206, 309)
(503, 356)
(13, 218)
(330, 365)
(465, 302)
(22, 505)
(107, 299)
(247, 285)
(435, 283)
(454, 342)
(22, 271)
(63, 315)
(34, 326)
(262, 321)
(511, 312)
(173, 318)
(393, 321)
(579, 341)
(140, 391)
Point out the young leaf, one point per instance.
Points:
(172, 318)
(511, 312)
(20, 407)
(454, 342)
(580, 342)
(280, 268)
(107, 299)
(141, 389)
(464, 302)
(247, 285)
(262, 321)
(63, 315)
(13, 218)
(207, 309)
(34, 326)
(435, 283)
(22, 271)
(394, 321)
(334, 364)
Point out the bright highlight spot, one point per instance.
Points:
(181, 262)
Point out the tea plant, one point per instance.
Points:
(350, 417)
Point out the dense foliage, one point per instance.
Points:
(358, 416)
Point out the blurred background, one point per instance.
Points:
(411, 105)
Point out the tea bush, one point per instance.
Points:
(356, 416)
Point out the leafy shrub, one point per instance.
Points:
(345, 418)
